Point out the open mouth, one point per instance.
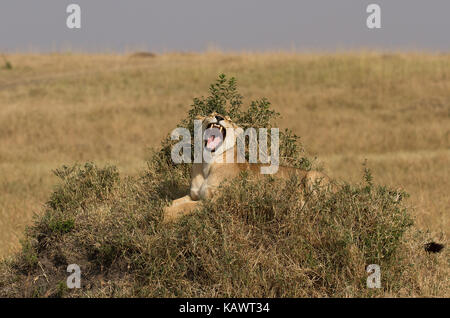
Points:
(214, 135)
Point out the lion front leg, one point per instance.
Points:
(178, 208)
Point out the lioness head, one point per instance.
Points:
(219, 133)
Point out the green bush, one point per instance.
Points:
(8, 65)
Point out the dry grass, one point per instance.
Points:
(392, 109)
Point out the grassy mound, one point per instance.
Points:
(253, 240)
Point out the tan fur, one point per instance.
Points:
(206, 177)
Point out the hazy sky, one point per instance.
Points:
(194, 25)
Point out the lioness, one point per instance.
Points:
(207, 176)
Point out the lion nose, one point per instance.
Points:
(219, 118)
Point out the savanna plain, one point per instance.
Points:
(388, 109)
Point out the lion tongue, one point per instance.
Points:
(212, 142)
